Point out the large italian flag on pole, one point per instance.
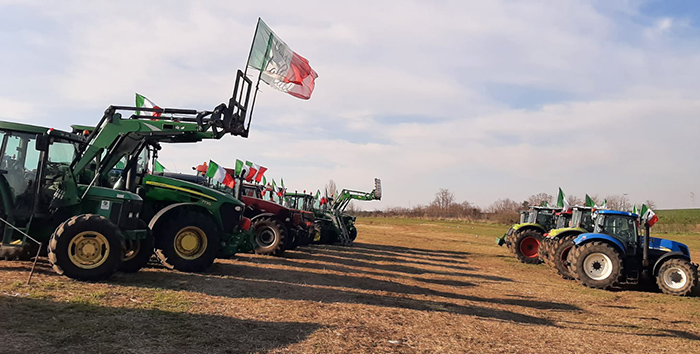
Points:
(142, 101)
(279, 66)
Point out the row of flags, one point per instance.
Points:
(647, 215)
(249, 171)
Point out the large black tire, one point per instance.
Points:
(137, 253)
(187, 241)
(545, 250)
(270, 237)
(559, 256)
(86, 247)
(596, 264)
(526, 246)
(352, 231)
(677, 277)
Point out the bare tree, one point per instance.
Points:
(331, 188)
(617, 202)
(574, 200)
(539, 198)
(650, 204)
(444, 199)
(504, 205)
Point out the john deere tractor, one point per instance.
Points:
(44, 197)
(337, 226)
(524, 239)
(558, 242)
(614, 253)
(190, 225)
(304, 204)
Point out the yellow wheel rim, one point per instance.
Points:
(88, 249)
(132, 249)
(190, 242)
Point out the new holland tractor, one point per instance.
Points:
(337, 226)
(614, 253)
(524, 239)
(558, 242)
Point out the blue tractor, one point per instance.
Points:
(614, 253)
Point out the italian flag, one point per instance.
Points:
(142, 101)
(158, 167)
(218, 173)
(279, 66)
(562, 202)
(648, 216)
(241, 168)
(589, 202)
(259, 176)
(252, 171)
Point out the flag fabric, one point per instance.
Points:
(318, 194)
(589, 202)
(241, 168)
(562, 202)
(158, 167)
(604, 206)
(261, 171)
(252, 170)
(650, 217)
(279, 66)
(142, 101)
(635, 210)
(218, 173)
(264, 181)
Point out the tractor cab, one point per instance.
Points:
(581, 217)
(563, 219)
(543, 216)
(524, 215)
(619, 224)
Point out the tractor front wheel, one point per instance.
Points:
(596, 265)
(188, 241)
(137, 253)
(269, 237)
(677, 277)
(526, 246)
(86, 247)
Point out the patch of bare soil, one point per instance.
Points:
(402, 288)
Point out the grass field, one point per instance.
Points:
(406, 286)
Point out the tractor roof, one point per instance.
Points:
(298, 195)
(617, 212)
(35, 129)
(546, 208)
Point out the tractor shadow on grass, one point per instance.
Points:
(44, 326)
(411, 251)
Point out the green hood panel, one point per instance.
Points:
(557, 232)
(165, 188)
(516, 227)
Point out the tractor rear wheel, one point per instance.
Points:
(86, 247)
(526, 246)
(270, 236)
(352, 231)
(677, 277)
(559, 256)
(187, 241)
(137, 253)
(596, 265)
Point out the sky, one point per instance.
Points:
(489, 99)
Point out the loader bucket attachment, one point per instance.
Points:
(377, 189)
(236, 113)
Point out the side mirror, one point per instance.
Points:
(42, 142)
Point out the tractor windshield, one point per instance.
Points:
(20, 160)
(621, 227)
(523, 216)
(582, 218)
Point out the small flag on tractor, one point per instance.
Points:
(648, 216)
(157, 167)
(589, 202)
(252, 170)
(562, 202)
(635, 210)
(260, 175)
(279, 66)
(142, 101)
(218, 173)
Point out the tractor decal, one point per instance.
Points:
(163, 185)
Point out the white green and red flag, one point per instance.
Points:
(279, 66)
(648, 216)
(158, 167)
(252, 170)
(142, 101)
(241, 168)
(562, 202)
(589, 202)
(259, 176)
(218, 173)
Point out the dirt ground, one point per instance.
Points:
(406, 286)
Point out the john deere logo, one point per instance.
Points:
(105, 205)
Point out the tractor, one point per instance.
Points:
(558, 242)
(614, 253)
(304, 204)
(524, 239)
(44, 201)
(333, 223)
(189, 225)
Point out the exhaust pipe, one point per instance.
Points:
(645, 251)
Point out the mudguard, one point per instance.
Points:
(164, 211)
(526, 225)
(666, 257)
(563, 230)
(256, 217)
(588, 237)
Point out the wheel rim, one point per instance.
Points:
(190, 242)
(266, 237)
(133, 247)
(88, 249)
(529, 247)
(598, 266)
(675, 278)
(565, 254)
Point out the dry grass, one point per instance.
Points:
(406, 286)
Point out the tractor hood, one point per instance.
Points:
(556, 232)
(527, 224)
(187, 190)
(659, 244)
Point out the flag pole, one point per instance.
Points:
(252, 45)
(257, 83)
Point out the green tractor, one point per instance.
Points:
(524, 239)
(333, 224)
(558, 242)
(191, 225)
(45, 201)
